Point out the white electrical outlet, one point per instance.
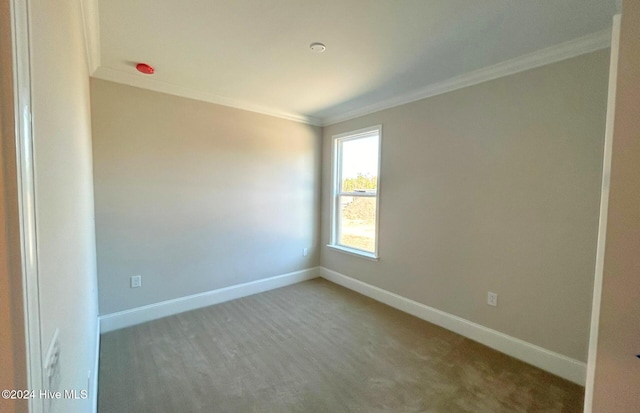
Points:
(136, 281)
(492, 299)
(305, 252)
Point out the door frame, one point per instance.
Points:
(20, 30)
(604, 211)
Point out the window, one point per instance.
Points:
(356, 166)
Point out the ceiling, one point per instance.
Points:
(254, 54)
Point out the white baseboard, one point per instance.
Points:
(558, 364)
(93, 391)
(555, 363)
(150, 312)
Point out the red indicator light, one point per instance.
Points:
(145, 68)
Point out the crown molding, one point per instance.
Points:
(133, 79)
(582, 45)
(91, 25)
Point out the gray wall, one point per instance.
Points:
(617, 370)
(493, 187)
(64, 192)
(195, 196)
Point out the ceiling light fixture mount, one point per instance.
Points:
(317, 47)
(145, 68)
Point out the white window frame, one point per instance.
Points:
(336, 190)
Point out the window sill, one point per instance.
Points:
(352, 251)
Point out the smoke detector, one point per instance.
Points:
(317, 47)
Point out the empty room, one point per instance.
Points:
(320, 206)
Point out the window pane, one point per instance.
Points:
(357, 222)
(360, 165)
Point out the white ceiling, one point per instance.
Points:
(255, 54)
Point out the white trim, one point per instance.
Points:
(93, 391)
(359, 133)
(337, 192)
(20, 23)
(542, 358)
(91, 26)
(353, 251)
(562, 51)
(604, 209)
(586, 44)
(136, 80)
(167, 308)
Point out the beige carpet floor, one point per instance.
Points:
(314, 347)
